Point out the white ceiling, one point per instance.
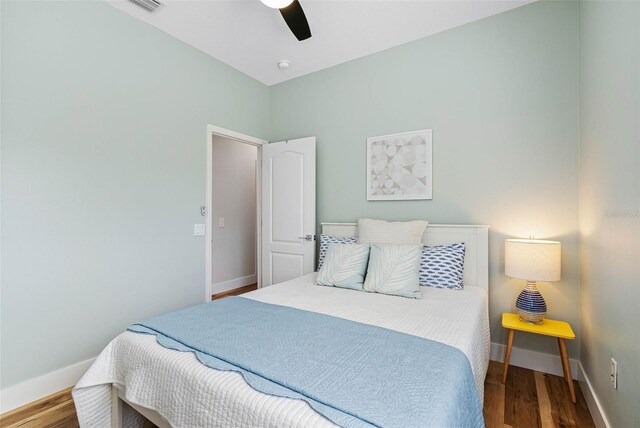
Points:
(252, 38)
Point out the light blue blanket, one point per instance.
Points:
(355, 375)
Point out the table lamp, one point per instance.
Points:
(532, 260)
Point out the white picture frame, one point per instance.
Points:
(400, 166)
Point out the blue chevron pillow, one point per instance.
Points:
(325, 240)
(442, 266)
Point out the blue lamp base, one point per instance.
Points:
(530, 305)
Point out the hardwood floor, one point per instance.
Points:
(528, 399)
(235, 291)
(531, 399)
(56, 410)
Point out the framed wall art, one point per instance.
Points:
(399, 166)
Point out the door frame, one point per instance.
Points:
(212, 131)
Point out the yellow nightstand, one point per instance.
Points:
(559, 329)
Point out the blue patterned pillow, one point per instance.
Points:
(442, 266)
(325, 240)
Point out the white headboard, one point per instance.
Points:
(475, 237)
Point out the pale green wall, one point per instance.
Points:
(610, 202)
(103, 173)
(501, 96)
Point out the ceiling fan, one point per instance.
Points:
(293, 15)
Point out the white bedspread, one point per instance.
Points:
(189, 394)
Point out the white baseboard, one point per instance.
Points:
(534, 360)
(221, 287)
(595, 408)
(34, 389)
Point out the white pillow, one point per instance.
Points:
(385, 232)
(394, 269)
(344, 266)
(325, 240)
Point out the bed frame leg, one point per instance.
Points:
(116, 408)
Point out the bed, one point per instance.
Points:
(136, 376)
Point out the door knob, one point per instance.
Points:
(307, 237)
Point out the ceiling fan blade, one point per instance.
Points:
(296, 20)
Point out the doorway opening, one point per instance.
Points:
(233, 201)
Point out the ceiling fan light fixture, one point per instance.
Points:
(277, 4)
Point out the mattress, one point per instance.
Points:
(189, 394)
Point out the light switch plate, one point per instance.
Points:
(198, 230)
(221, 222)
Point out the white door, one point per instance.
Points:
(288, 209)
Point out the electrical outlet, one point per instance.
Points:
(614, 373)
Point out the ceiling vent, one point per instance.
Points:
(150, 6)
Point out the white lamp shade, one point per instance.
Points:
(532, 259)
(277, 4)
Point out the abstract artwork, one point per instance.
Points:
(399, 166)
